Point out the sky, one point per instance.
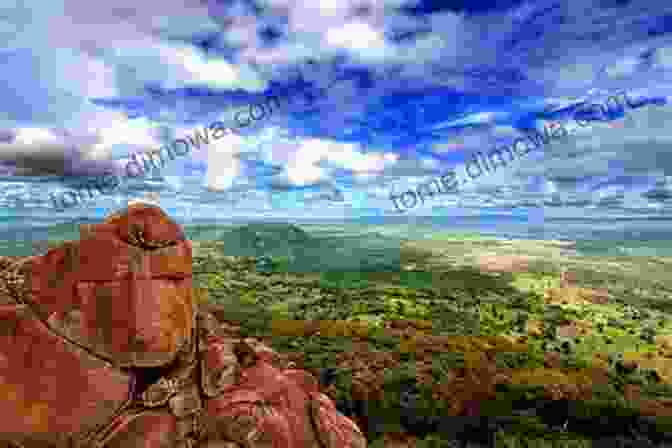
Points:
(384, 96)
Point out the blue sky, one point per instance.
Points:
(415, 88)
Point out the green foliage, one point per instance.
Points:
(404, 374)
(572, 362)
(528, 302)
(381, 340)
(435, 441)
(344, 280)
(655, 389)
(593, 409)
(606, 392)
(520, 393)
(457, 301)
(506, 439)
(400, 308)
(378, 443)
(556, 314)
(442, 362)
(398, 380)
(535, 284)
(648, 334)
(319, 351)
(514, 440)
(519, 360)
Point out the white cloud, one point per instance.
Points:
(223, 165)
(32, 136)
(356, 36)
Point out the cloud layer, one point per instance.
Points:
(393, 93)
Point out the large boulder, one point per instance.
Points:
(111, 295)
(73, 319)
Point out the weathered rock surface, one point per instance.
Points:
(101, 345)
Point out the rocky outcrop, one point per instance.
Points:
(102, 345)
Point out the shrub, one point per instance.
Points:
(648, 335)
(517, 360)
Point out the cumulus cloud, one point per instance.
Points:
(368, 97)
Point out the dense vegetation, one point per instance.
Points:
(449, 351)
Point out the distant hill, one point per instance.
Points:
(274, 239)
(23, 240)
(310, 252)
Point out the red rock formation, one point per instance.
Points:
(101, 345)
